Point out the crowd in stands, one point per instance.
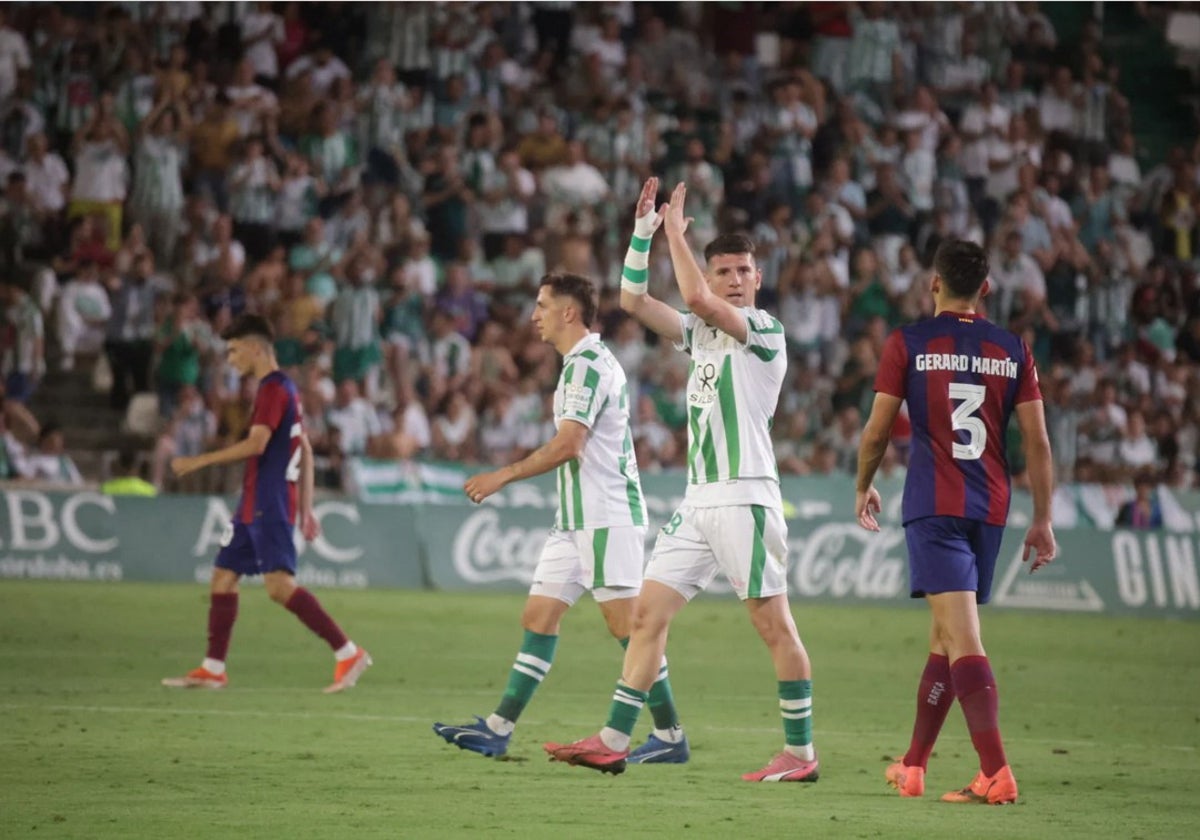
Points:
(389, 181)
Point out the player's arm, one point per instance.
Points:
(890, 390)
(1039, 539)
(251, 446)
(566, 444)
(649, 312)
(309, 526)
(871, 450)
(698, 298)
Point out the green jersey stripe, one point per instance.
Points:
(773, 327)
(599, 549)
(591, 356)
(633, 493)
(708, 452)
(576, 494)
(693, 441)
(729, 416)
(758, 552)
(591, 380)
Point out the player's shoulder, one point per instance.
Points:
(763, 322)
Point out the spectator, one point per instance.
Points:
(101, 175)
(50, 462)
(127, 479)
(253, 187)
(354, 418)
(128, 341)
(83, 313)
(1143, 511)
(356, 314)
(157, 200)
(181, 341)
(24, 360)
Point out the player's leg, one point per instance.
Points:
(558, 582)
(680, 567)
(277, 558)
(616, 557)
(927, 541)
(772, 619)
(235, 558)
(956, 619)
(750, 545)
(656, 607)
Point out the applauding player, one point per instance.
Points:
(731, 519)
(963, 378)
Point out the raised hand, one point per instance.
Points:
(676, 222)
(646, 221)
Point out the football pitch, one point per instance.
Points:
(1100, 716)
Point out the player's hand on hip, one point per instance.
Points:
(866, 505)
(310, 526)
(479, 487)
(1039, 545)
(675, 220)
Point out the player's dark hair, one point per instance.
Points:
(250, 326)
(579, 289)
(962, 265)
(729, 243)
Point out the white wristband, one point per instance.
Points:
(635, 275)
(644, 226)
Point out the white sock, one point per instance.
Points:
(213, 666)
(501, 726)
(670, 736)
(614, 740)
(804, 753)
(346, 651)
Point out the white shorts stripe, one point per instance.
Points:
(529, 672)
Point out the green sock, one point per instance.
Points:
(795, 705)
(528, 671)
(626, 706)
(662, 701)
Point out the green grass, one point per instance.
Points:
(1100, 716)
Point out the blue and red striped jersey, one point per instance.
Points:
(269, 485)
(962, 377)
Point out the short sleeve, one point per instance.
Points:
(892, 375)
(270, 404)
(764, 335)
(1028, 387)
(581, 400)
(687, 328)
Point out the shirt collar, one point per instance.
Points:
(583, 343)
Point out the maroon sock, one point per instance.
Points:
(975, 688)
(222, 612)
(309, 610)
(935, 696)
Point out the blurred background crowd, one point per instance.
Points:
(388, 182)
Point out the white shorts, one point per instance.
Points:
(607, 561)
(747, 543)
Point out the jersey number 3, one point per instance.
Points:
(293, 467)
(963, 419)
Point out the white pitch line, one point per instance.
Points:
(250, 713)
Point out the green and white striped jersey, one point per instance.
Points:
(731, 396)
(601, 488)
